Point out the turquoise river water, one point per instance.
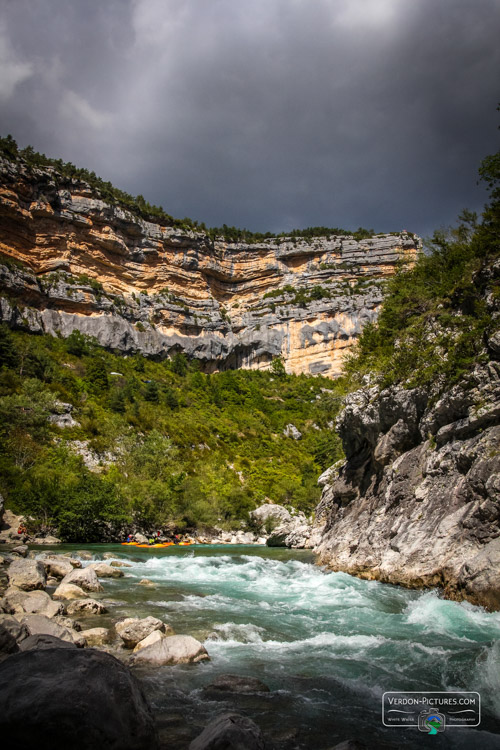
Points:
(327, 644)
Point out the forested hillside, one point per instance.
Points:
(162, 442)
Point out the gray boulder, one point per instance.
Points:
(102, 570)
(291, 431)
(85, 606)
(174, 649)
(31, 602)
(86, 578)
(269, 512)
(21, 550)
(44, 641)
(58, 567)
(38, 624)
(72, 698)
(68, 591)
(17, 630)
(132, 630)
(27, 575)
(230, 731)
(8, 644)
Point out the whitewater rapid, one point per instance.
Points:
(327, 644)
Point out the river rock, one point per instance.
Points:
(21, 550)
(140, 538)
(8, 644)
(39, 624)
(72, 698)
(18, 630)
(132, 630)
(230, 731)
(68, 591)
(27, 575)
(48, 540)
(173, 649)
(31, 602)
(58, 567)
(103, 570)
(233, 683)
(269, 512)
(44, 641)
(153, 637)
(95, 636)
(120, 564)
(84, 555)
(350, 745)
(86, 578)
(146, 582)
(85, 606)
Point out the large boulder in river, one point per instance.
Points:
(31, 602)
(230, 731)
(132, 630)
(85, 606)
(38, 624)
(153, 637)
(69, 591)
(72, 698)
(58, 567)
(14, 627)
(27, 575)
(86, 578)
(102, 570)
(174, 649)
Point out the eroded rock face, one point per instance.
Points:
(72, 698)
(417, 500)
(165, 289)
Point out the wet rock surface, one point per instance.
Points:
(60, 229)
(417, 500)
(64, 697)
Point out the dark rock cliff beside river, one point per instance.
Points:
(417, 501)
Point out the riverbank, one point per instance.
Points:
(325, 644)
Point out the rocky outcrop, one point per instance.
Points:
(417, 500)
(132, 630)
(143, 287)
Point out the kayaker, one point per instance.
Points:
(151, 541)
(130, 538)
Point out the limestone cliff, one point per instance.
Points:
(81, 263)
(417, 500)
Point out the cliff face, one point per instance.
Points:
(140, 286)
(417, 500)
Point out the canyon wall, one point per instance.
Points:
(73, 261)
(417, 500)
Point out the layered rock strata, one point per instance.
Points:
(417, 501)
(77, 262)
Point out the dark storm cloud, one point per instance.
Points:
(265, 114)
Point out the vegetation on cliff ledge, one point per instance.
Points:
(164, 442)
(438, 317)
(139, 206)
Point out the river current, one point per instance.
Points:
(327, 644)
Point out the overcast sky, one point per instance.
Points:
(264, 114)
